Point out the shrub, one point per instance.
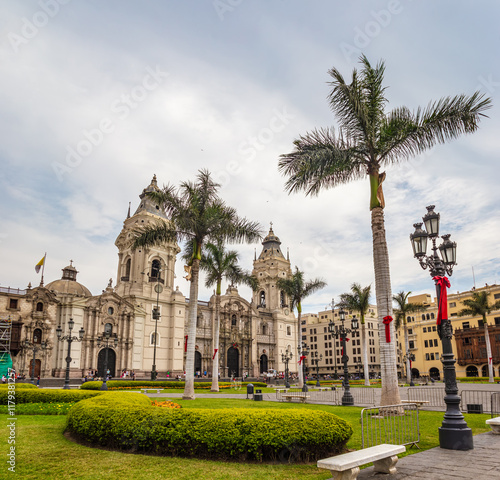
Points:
(27, 395)
(17, 385)
(128, 422)
(37, 409)
(137, 384)
(477, 379)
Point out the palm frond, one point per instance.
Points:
(152, 235)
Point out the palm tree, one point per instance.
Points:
(197, 215)
(479, 305)
(297, 289)
(368, 139)
(359, 300)
(219, 263)
(400, 314)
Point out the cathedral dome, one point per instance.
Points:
(68, 284)
(271, 246)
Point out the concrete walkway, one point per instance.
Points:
(483, 462)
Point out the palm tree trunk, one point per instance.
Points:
(407, 350)
(488, 349)
(388, 361)
(365, 354)
(215, 366)
(191, 341)
(299, 348)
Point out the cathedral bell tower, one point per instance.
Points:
(141, 269)
(270, 266)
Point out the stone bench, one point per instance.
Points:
(146, 390)
(346, 466)
(290, 397)
(494, 423)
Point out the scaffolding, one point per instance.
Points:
(5, 339)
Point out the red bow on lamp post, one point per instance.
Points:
(443, 283)
(186, 343)
(215, 352)
(302, 357)
(342, 339)
(387, 323)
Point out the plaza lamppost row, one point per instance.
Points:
(340, 331)
(70, 339)
(454, 433)
(36, 348)
(104, 341)
(408, 359)
(316, 360)
(285, 358)
(305, 353)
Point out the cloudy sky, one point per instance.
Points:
(97, 96)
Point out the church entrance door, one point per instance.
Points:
(233, 357)
(111, 362)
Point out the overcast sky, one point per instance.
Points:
(97, 96)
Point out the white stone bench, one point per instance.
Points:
(289, 397)
(346, 466)
(146, 390)
(494, 423)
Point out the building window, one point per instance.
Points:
(453, 304)
(111, 310)
(497, 320)
(108, 328)
(410, 331)
(288, 330)
(233, 320)
(426, 344)
(424, 329)
(465, 325)
(432, 356)
(282, 299)
(434, 328)
(423, 316)
(427, 356)
(262, 299)
(432, 316)
(37, 336)
(13, 303)
(39, 307)
(155, 268)
(496, 296)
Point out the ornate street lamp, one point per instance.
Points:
(317, 360)
(454, 433)
(339, 331)
(69, 339)
(305, 353)
(408, 358)
(36, 348)
(104, 341)
(285, 358)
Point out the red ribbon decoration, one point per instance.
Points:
(444, 283)
(491, 358)
(342, 339)
(387, 321)
(302, 357)
(186, 343)
(215, 352)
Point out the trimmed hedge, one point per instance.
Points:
(127, 421)
(17, 385)
(27, 395)
(477, 379)
(136, 384)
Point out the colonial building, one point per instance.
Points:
(146, 315)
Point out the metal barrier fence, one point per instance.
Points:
(362, 396)
(477, 401)
(394, 424)
(433, 395)
(495, 404)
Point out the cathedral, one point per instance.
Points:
(142, 320)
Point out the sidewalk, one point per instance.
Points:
(482, 462)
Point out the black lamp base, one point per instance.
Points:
(455, 438)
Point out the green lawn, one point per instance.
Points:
(42, 452)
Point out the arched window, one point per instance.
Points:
(155, 268)
(233, 321)
(39, 307)
(264, 329)
(262, 298)
(428, 317)
(37, 336)
(127, 268)
(408, 319)
(108, 328)
(432, 315)
(423, 316)
(282, 298)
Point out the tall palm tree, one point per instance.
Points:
(479, 305)
(197, 215)
(296, 288)
(368, 139)
(359, 300)
(400, 313)
(219, 263)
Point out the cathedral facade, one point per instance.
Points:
(141, 322)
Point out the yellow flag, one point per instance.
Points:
(40, 263)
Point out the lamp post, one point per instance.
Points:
(33, 345)
(339, 331)
(104, 341)
(285, 358)
(69, 339)
(317, 360)
(454, 434)
(408, 358)
(305, 352)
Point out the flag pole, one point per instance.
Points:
(43, 268)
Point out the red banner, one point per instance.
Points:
(215, 352)
(186, 343)
(387, 323)
(490, 360)
(444, 283)
(302, 357)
